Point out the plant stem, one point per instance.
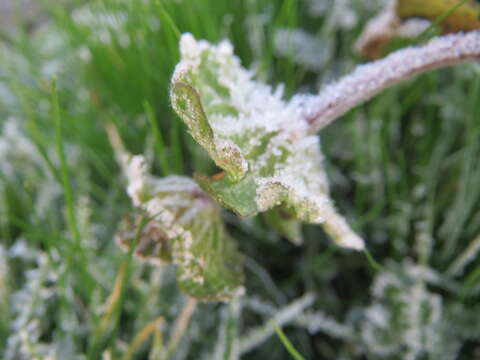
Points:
(368, 80)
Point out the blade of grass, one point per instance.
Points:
(173, 32)
(181, 324)
(287, 17)
(176, 146)
(159, 143)
(425, 33)
(77, 255)
(288, 345)
(372, 262)
(109, 320)
(66, 184)
(141, 337)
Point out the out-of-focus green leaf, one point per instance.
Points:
(285, 224)
(186, 229)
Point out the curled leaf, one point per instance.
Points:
(260, 141)
(186, 229)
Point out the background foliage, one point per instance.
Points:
(404, 168)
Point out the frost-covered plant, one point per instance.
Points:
(407, 319)
(340, 13)
(184, 227)
(18, 149)
(100, 23)
(259, 140)
(30, 305)
(266, 146)
(20, 158)
(370, 79)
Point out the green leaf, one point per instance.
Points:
(211, 266)
(238, 196)
(260, 141)
(186, 229)
(285, 224)
(188, 105)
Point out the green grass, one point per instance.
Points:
(404, 168)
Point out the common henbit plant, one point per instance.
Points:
(260, 141)
(412, 171)
(269, 154)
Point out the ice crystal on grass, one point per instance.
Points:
(303, 48)
(339, 13)
(227, 344)
(466, 257)
(20, 158)
(407, 319)
(16, 150)
(259, 140)
(29, 306)
(101, 23)
(283, 316)
(185, 228)
(320, 322)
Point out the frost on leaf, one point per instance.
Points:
(259, 141)
(185, 228)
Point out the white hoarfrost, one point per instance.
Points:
(405, 318)
(282, 317)
(257, 138)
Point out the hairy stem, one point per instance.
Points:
(368, 80)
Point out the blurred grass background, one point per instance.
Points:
(404, 168)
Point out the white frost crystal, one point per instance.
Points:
(185, 228)
(259, 140)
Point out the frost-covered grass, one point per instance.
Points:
(404, 170)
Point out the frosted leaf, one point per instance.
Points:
(260, 141)
(186, 229)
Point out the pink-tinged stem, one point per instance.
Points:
(368, 80)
